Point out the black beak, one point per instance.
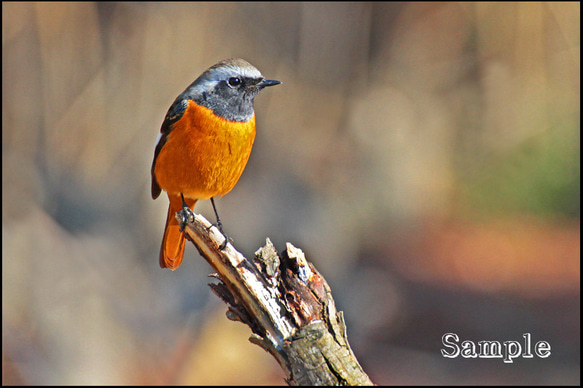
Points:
(267, 82)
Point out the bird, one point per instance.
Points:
(204, 144)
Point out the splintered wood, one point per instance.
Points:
(285, 301)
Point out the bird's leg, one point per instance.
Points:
(220, 226)
(186, 213)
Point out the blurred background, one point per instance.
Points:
(425, 156)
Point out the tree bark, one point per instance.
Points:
(285, 301)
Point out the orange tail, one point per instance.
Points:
(172, 250)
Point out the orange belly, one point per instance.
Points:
(204, 155)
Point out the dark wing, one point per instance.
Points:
(174, 114)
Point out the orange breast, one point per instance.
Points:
(204, 155)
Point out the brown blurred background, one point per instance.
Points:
(425, 156)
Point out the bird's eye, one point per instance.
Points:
(234, 82)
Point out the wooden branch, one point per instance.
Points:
(285, 301)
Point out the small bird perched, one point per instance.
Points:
(204, 144)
